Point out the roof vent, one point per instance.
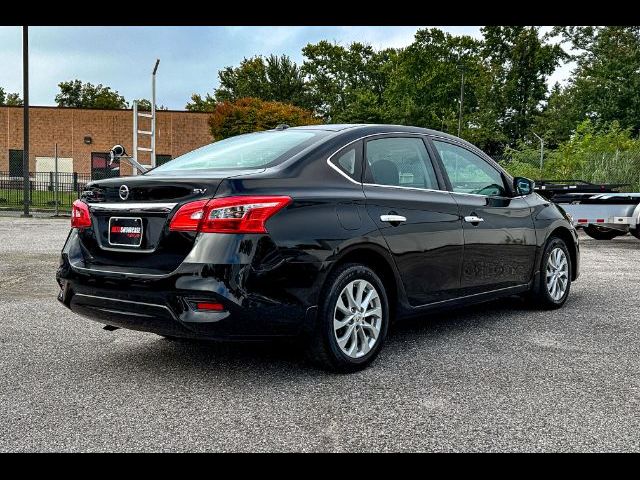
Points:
(282, 126)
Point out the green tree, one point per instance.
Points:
(199, 104)
(247, 115)
(559, 118)
(521, 60)
(274, 78)
(347, 84)
(605, 86)
(145, 105)
(9, 99)
(75, 93)
(425, 83)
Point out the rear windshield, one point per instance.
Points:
(252, 150)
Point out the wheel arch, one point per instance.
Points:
(565, 234)
(379, 260)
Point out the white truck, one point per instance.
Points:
(600, 209)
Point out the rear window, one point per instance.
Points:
(252, 150)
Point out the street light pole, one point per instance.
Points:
(25, 117)
(461, 100)
(541, 149)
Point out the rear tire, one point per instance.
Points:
(600, 233)
(352, 322)
(635, 232)
(554, 281)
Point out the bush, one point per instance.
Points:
(247, 115)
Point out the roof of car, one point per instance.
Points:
(374, 128)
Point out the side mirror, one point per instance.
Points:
(116, 152)
(523, 186)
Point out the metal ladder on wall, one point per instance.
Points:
(151, 132)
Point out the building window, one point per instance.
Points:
(162, 159)
(15, 163)
(100, 167)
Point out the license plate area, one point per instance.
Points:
(125, 231)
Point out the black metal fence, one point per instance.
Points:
(44, 191)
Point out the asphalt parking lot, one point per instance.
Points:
(497, 377)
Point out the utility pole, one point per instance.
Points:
(461, 101)
(153, 114)
(541, 149)
(25, 116)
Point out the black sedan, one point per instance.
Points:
(325, 232)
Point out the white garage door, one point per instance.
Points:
(47, 164)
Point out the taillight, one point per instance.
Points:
(228, 215)
(80, 217)
(188, 216)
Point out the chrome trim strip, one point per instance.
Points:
(126, 274)
(473, 295)
(123, 312)
(337, 169)
(125, 301)
(486, 196)
(406, 188)
(161, 207)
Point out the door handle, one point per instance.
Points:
(393, 218)
(473, 219)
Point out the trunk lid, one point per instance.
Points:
(130, 222)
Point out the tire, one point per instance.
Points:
(599, 233)
(543, 295)
(635, 232)
(363, 335)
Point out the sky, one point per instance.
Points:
(190, 57)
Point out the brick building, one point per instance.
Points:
(85, 136)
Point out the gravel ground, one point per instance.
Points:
(499, 377)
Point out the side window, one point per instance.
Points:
(400, 162)
(349, 161)
(468, 173)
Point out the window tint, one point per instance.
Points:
(402, 162)
(252, 150)
(468, 173)
(347, 161)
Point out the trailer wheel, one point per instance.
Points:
(600, 233)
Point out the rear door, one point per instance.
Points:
(418, 218)
(499, 234)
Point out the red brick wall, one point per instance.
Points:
(177, 133)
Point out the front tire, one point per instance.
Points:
(554, 282)
(353, 319)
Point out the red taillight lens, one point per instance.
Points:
(80, 217)
(188, 217)
(228, 215)
(241, 214)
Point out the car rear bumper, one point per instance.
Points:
(256, 302)
(173, 313)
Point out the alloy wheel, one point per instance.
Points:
(557, 273)
(357, 318)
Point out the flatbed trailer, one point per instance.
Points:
(600, 209)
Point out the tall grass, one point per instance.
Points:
(597, 155)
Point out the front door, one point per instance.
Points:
(416, 215)
(499, 234)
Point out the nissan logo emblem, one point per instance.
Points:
(123, 192)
